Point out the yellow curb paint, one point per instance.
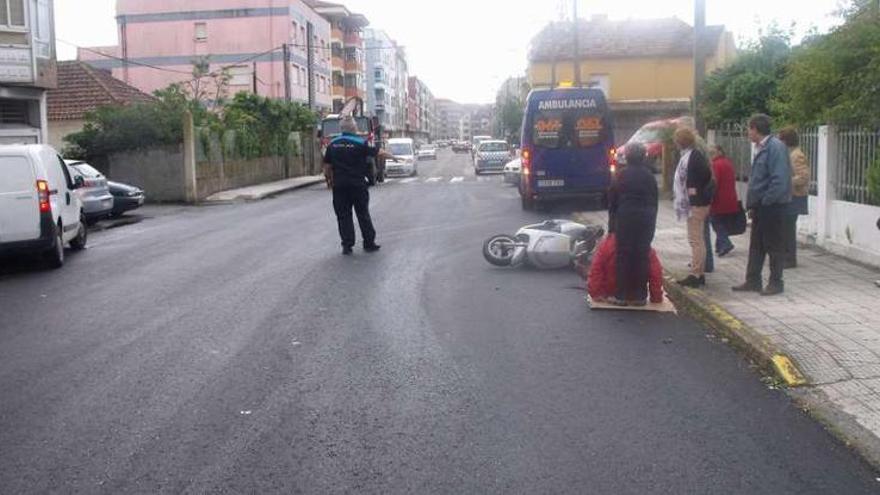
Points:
(788, 371)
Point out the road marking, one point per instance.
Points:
(408, 180)
(434, 179)
(457, 179)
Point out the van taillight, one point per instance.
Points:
(612, 160)
(526, 161)
(43, 196)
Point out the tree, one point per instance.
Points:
(836, 77)
(747, 86)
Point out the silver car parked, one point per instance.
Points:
(95, 194)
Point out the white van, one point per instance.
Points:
(405, 149)
(39, 213)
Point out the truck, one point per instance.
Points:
(368, 128)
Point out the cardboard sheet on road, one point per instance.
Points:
(665, 307)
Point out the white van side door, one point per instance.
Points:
(65, 200)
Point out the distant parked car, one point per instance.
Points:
(95, 195)
(512, 170)
(427, 152)
(461, 147)
(125, 197)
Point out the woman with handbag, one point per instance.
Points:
(725, 202)
(800, 189)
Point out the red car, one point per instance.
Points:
(651, 135)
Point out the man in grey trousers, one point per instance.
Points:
(769, 193)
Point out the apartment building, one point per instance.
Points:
(387, 81)
(422, 111)
(449, 114)
(347, 56)
(28, 69)
(159, 41)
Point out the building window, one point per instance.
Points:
(201, 31)
(12, 14)
(240, 75)
(42, 31)
(303, 77)
(295, 30)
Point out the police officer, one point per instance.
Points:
(347, 173)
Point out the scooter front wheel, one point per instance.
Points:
(499, 249)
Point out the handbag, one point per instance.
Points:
(735, 223)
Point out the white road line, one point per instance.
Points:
(434, 179)
(408, 180)
(457, 179)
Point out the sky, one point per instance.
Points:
(464, 49)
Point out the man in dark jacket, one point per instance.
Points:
(768, 196)
(346, 170)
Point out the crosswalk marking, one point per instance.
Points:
(458, 179)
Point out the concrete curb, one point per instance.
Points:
(258, 196)
(744, 338)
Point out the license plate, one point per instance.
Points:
(551, 183)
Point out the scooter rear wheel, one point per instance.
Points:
(498, 249)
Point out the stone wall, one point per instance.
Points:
(158, 171)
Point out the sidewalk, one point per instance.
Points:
(262, 191)
(827, 322)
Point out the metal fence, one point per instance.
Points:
(809, 137)
(856, 150)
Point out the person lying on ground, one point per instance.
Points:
(602, 279)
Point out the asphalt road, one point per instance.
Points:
(233, 349)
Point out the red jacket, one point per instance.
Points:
(602, 282)
(725, 201)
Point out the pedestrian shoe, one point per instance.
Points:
(615, 301)
(746, 287)
(372, 248)
(693, 281)
(772, 290)
(724, 252)
(346, 250)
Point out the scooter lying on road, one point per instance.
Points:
(546, 245)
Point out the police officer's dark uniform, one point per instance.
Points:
(347, 157)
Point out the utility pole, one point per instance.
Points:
(286, 56)
(310, 63)
(577, 44)
(699, 62)
(254, 78)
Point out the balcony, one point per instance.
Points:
(353, 38)
(336, 34)
(354, 66)
(338, 90)
(338, 63)
(351, 92)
